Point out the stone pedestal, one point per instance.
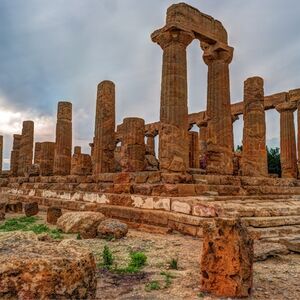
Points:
(26, 148)
(63, 141)
(288, 154)
(173, 136)
(47, 158)
(219, 120)
(104, 141)
(254, 156)
(133, 145)
(194, 149)
(227, 259)
(14, 156)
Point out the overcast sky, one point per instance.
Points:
(55, 50)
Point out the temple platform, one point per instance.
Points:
(159, 202)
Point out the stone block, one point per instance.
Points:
(31, 209)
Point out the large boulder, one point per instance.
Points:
(111, 228)
(83, 222)
(31, 269)
(31, 209)
(53, 213)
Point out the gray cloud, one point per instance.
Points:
(53, 50)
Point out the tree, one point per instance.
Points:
(274, 166)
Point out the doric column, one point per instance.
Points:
(63, 141)
(194, 149)
(47, 158)
(254, 156)
(173, 134)
(14, 156)
(288, 156)
(133, 145)
(104, 141)
(1, 153)
(298, 136)
(219, 126)
(26, 148)
(37, 152)
(202, 144)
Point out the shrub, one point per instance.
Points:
(152, 285)
(138, 259)
(173, 264)
(107, 257)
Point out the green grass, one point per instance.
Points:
(152, 286)
(28, 224)
(173, 264)
(168, 278)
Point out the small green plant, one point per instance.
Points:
(200, 295)
(78, 237)
(138, 259)
(173, 264)
(152, 285)
(168, 278)
(107, 257)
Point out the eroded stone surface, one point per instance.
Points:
(53, 213)
(227, 259)
(31, 269)
(112, 228)
(31, 209)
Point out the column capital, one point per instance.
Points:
(286, 106)
(167, 37)
(212, 52)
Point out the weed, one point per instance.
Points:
(168, 278)
(78, 237)
(152, 285)
(137, 259)
(107, 257)
(200, 295)
(173, 264)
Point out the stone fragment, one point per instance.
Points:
(227, 259)
(254, 154)
(63, 141)
(53, 213)
(264, 250)
(14, 207)
(293, 244)
(26, 148)
(83, 222)
(111, 228)
(34, 269)
(31, 209)
(104, 141)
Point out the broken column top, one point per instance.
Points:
(64, 110)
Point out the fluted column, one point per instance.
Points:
(202, 144)
(219, 126)
(173, 134)
(254, 155)
(14, 156)
(63, 141)
(47, 158)
(194, 149)
(104, 141)
(288, 155)
(26, 148)
(298, 136)
(37, 152)
(133, 145)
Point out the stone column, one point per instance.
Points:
(150, 143)
(133, 145)
(14, 156)
(194, 149)
(202, 144)
(1, 153)
(47, 158)
(173, 134)
(254, 156)
(219, 126)
(288, 155)
(37, 152)
(104, 142)
(298, 136)
(63, 141)
(26, 148)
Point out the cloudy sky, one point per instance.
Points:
(53, 50)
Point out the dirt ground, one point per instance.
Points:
(276, 278)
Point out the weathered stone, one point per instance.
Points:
(104, 141)
(218, 113)
(14, 207)
(112, 228)
(227, 259)
(85, 223)
(37, 152)
(173, 102)
(254, 155)
(133, 145)
(14, 157)
(31, 209)
(263, 250)
(288, 154)
(33, 269)
(53, 213)
(293, 244)
(81, 164)
(26, 148)
(2, 215)
(202, 144)
(194, 155)
(63, 140)
(47, 158)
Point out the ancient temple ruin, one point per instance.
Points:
(194, 176)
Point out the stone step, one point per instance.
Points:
(273, 232)
(272, 221)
